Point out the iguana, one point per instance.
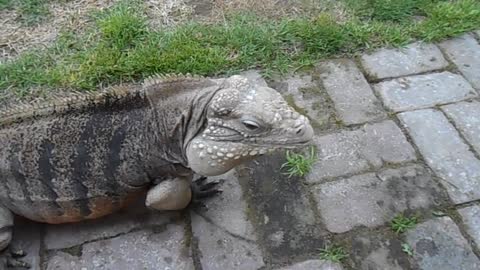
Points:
(87, 155)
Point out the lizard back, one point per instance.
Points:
(74, 158)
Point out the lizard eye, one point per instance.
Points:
(250, 125)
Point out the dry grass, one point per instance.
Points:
(168, 13)
(16, 37)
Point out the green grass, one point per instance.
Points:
(401, 223)
(4, 4)
(30, 12)
(299, 164)
(120, 47)
(333, 254)
(389, 10)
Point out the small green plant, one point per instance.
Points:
(333, 253)
(401, 223)
(407, 249)
(299, 164)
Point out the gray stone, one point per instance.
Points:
(471, 219)
(222, 250)
(466, 116)
(135, 216)
(158, 248)
(372, 199)
(228, 210)
(302, 92)
(378, 250)
(314, 265)
(369, 147)
(445, 152)
(423, 91)
(26, 236)
(224, 233)
(61, 260)
(354, 100)
(414, 58)
(438, 245)
(281, 211)
(464, 51)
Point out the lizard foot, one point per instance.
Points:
(202, 189)
(11, 257)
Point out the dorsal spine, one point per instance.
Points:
(77, 100)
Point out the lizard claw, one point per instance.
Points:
(202, 189)
(11, 258)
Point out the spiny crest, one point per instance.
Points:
(159, 79)
(74, 100)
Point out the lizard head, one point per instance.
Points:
(245, 120)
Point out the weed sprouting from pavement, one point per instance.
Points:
(401, 223)
(299, 164)
(333, 254)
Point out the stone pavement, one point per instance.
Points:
(398, 131)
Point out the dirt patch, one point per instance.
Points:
(216, 10)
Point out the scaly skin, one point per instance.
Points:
(86, 157)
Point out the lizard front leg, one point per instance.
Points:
(178, 193)
(8, 255)
(170, 194)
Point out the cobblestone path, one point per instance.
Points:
(398, 131)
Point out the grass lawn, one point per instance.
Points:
(119, 46)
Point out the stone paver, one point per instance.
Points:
(304, 93)
(378, 251)
(159, 248)
(224, 233)
(283, 214)
(220, 250)
(464, 51)
(369, 147)
(414, 58)
(229, 210)
(438, 245)
(313, 265)
(423, 91)
(66, 235)
(445, 152)
(372, 199)
(354, 100)
(466, 116)
(471, 218)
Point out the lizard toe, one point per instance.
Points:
(201, 190)
(11, 258)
